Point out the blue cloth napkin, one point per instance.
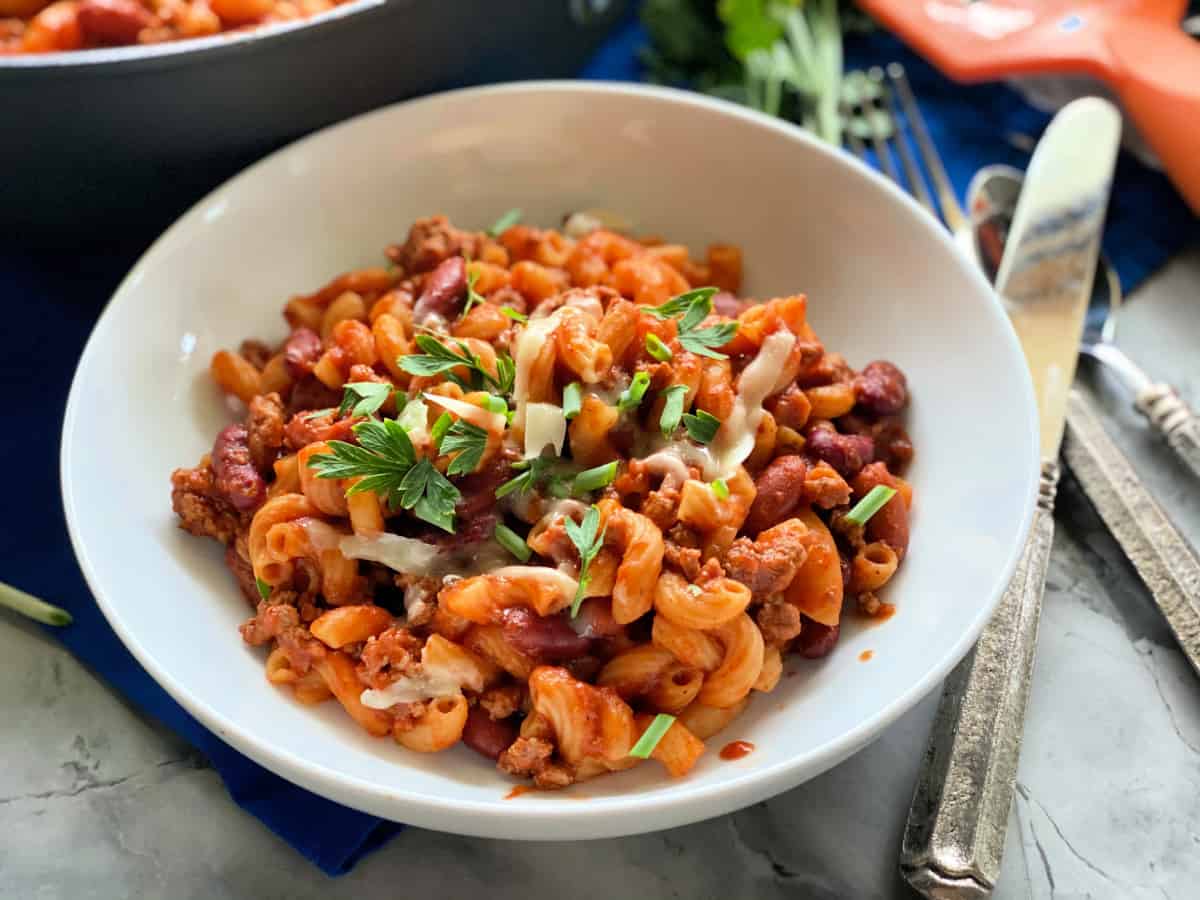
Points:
(53, 300)
(1147, 221)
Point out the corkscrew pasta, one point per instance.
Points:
(552, 494)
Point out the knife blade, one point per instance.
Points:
(954, 837)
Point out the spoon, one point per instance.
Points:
(991, 199)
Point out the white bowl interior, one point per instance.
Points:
(882, 280)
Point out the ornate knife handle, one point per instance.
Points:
(1174, 420)
(954, 837)
(1163, 559)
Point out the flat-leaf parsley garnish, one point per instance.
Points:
(474, 298)
(691, 309)
(363, 398)
(385, 462)
(438, 358)
(588, 538)
(468, 441)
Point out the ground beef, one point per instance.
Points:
(388, 655)
(530, 757)
(264, 423)
(662, 506)
(269, 622)
(685, 559)
(201, 509)
(824, 487)
(243, 572)
(779, 622)
(430, 241)
(768, 564)
(502, 702)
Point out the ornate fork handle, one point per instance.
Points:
(1174, 420)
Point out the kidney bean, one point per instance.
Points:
(545, 638)
(301, 352)
(847, 453)
(113, 21)
(233, 469)
(595, 619)
(780, 489)
(486, 735)
(881, 388)
(816, 640)
(890, 524)
(726, 304)
(443, 288)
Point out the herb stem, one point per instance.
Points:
(32, 607)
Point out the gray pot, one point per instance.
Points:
(98, 143)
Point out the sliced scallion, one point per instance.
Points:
(594, 479)
(652, 735)
(875, 500)
(656, 348)
(512, 542)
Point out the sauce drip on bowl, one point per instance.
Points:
(736, 750)
(518, 790)
(866, 655)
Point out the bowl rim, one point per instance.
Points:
(493, 818)
(183, 52)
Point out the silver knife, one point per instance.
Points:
(954, 837)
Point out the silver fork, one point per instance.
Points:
(954, 837)
(876, 106)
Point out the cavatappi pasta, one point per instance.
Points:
(550, 493)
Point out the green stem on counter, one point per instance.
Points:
(29, 605)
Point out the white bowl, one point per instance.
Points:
(883, 281)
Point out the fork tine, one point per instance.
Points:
(875, 116)
(952, 213)
(916, 183)
(853, 141)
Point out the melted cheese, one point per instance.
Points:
(545, 426)
(735, 439)
(668, 462)
(533, 337)
(424, 685)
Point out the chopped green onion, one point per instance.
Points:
(721, 489)
(440, 427)
(656, 348)
(572, 400)
(672, 408)
(702, 427)
(512, 542)
(505, 222)
(557, 488)
(511, 313)
(496, 404)
(652, 735)
(631, 397)
(877, 498)
(29, 605)
(264, 589)
(594, 479)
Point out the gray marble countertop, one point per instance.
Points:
(99, 802)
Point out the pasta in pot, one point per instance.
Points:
(539, 494)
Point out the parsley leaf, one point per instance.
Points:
(701, 340)
(473, 296)
(264, 589)
(677, 306)
(672, 408)
(505, 222)
(702, 426)
(588, 538)
(385, 462)
(363, 398)
(691, 309)
(468, 441)
(430, 495)
(438, 358)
